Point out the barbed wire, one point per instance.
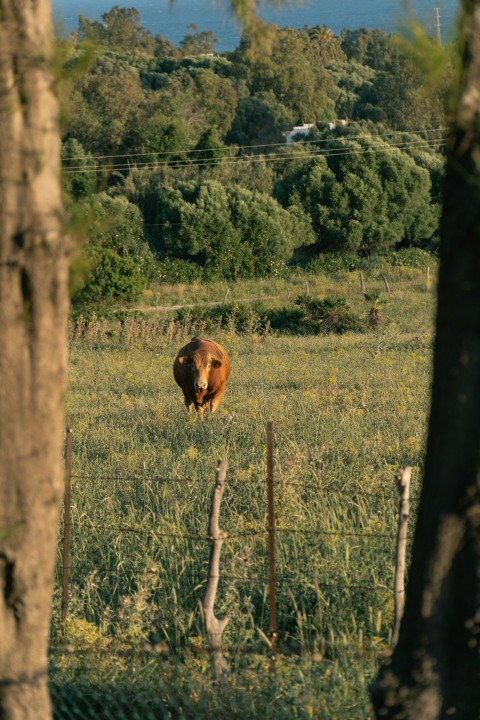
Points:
(157, 479)
(228, 536)
(339, 533)
(280, 483)
(282, 577)
(149, 648)
(258, 579)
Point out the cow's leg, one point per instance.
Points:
(188, 402)
(200, 410)
(215, 401)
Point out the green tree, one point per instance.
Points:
(107, 101)
(120, 28)
(118, 259)
(368, 47)
(260, 120)
(325, 45)
(198, 43)
(110, 277)
(201, 97)
(230, 231)
(210, 148)
(79, 171)
(165, 49)
(365, 195)
(396, 96)
(293, 71)
(117, 224)
(350, 79)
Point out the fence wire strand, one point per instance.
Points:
(331, 586)
(280, 482)
(237, 535)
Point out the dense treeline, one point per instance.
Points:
(180, 154)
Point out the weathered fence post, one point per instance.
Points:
(403, 483)
(273, 634)
(66, 526)
(362, 282)
(428, 277)
(385, 282)
(214, 626)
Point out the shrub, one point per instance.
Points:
(335, 262)
(332, 263)
(412, 257)
(306, 317)
(288, 320)
(331, 315)
(175, 270)
(241, 318)
(111, 277)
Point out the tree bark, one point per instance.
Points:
(33, 350)
(434, 671)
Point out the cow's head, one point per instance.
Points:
(200, 366)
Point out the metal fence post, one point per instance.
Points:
(66, 526)
(273, 634)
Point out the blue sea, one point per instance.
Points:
(171, 19)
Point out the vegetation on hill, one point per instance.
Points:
(181, 152)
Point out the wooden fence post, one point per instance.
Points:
(273, 634)
(214, 626)
(385, 282)
(67, 527)
(403, 484)
(362, 282)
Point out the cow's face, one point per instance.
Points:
(200, 365)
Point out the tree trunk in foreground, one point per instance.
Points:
(33, 315)
(435, 669)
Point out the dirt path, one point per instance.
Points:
(208, 303)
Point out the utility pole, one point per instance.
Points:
(437, 25)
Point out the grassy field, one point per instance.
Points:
(349, 411)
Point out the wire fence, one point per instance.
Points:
(91, 693)
(260, 532)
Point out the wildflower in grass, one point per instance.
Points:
(412, 444)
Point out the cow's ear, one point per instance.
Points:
(183, 360)
(216, 363)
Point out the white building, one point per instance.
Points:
(298, 130)
(343, 122)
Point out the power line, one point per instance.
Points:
(212, 162)
(251, 147)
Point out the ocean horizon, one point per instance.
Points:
(172, 19)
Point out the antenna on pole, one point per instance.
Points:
(437, 25)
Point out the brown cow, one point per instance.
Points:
(201, 368)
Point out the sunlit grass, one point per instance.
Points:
(348, 413)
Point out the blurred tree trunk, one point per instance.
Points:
(435, 668)
(33, 316)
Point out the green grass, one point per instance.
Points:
(348, 413)
(282, 290)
